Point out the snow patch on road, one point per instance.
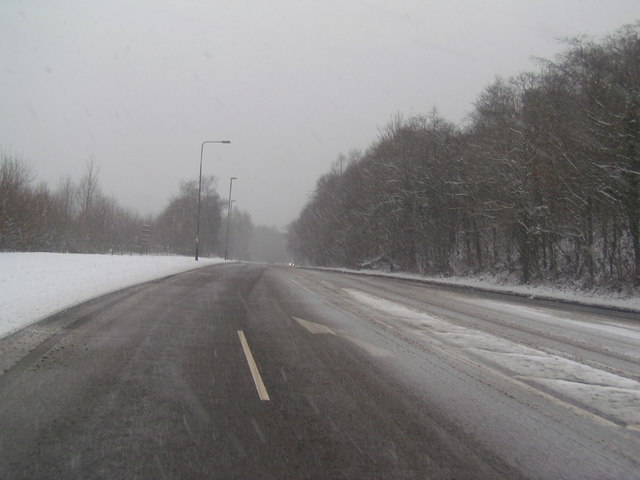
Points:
(36, 285)
(628, 298)
(608, 329)
(610, 396)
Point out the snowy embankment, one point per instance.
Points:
(36, 285)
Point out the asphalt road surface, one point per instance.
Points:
(251, 371)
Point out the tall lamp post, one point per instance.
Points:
(200, 190)
(226, 243)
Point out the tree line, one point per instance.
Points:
(77, 217)
(542, 181)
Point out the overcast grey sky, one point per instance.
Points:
(139, 84)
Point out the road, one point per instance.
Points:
(251, 371)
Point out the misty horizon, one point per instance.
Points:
(292, 85)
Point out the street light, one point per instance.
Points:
(200, 189)
(226, 244)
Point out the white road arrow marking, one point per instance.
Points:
(314, 328)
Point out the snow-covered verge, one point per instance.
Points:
(625, 300)
(36, 285)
